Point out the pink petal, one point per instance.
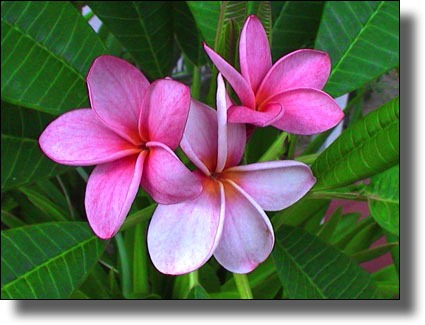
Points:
(274, 185)
(299, 69)
(111, 190)
(269, 114)
(231, 137)
(182, 237)
(254, 52)
(236, 80)
(199, 140)
(164, 113)
(247, 238)
(116, 91)
(307, 111)
(78, 138)
(166, 178)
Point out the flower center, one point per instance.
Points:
(143, 146)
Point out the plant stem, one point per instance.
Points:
(125, 267)
(196, 82)
(242, 284)
(276, 150)
(193, 279)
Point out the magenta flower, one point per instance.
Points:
(130, 133)
(227, 219)
(287, 94)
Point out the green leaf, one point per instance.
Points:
(10, 220)
(197, 292)
(48, 207)
(47, 49)
(384, 205)
(47, 261)
(364, 149)
(188, 35)
(372, 253)
(206, 14)
(96, 284)
(296, 26)
(22, 161)
(144, 28)
(328, 228)
(311, 269)
(363, 239)
(300, 212)
(362, 39)
(387, 281)
(212, 17)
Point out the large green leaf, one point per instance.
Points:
(362, 39)
(383, 196)
(296, 26)
(144, 28)
(47, 49)
(188, 34)
(207, 15)
(311, 269)
(212, 17)
(47, 261)
(22, 161)
(366, 148)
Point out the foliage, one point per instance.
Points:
(48, 250)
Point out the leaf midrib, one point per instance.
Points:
(148, 38)
(356, 39)
(44, 48)
(319, 291)
(46, 263)
(359, 146)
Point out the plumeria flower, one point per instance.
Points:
(227, 219)
(130, 133)
(287, 94)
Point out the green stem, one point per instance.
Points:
(67, 198)
(193, 279)
(140, 258)
(242, 284)
(125, 267)
(339, 195)
(196, 83)
(277, 148)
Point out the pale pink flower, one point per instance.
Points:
(227, 219)
(287, 94)
(129, 132)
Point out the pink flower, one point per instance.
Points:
(130, 133)
(227, 218)
(287, 94)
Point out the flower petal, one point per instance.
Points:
(164, 113)
(222, 124)
(78, 138)
(231, 136)
(111, 190)
(116, 91)
(269, 114)
(255, 60)
(307, 111)
(199, 140)
(182, 237)
(247, 238)
(236, 80)
(166, 178)
(299, 69)
(274, 185)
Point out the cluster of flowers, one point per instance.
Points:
(134, 126)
